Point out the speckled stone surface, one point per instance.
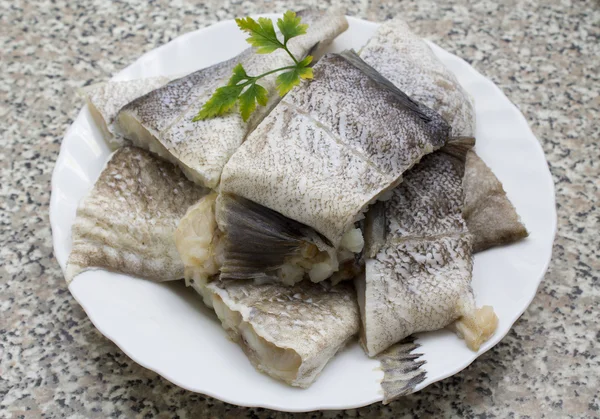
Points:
(53, 362)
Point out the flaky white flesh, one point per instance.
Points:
(104, 101)
(197, 240)
(289, 333)
(162, 120)
(127, 222)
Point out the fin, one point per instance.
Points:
(375, 231)
(490, 216)
(352, 57)
(402, 370)
(258, 241)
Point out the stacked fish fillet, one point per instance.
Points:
(350, 207)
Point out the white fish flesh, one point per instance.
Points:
(127, 222)
(161, 121)
(289, 333)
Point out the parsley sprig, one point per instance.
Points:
(243, 88)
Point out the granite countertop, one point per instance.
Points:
(53, 362)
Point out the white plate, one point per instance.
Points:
(165, 327)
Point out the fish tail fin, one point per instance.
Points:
(258, 241)
(458, 147)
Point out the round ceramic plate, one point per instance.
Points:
(166, 328)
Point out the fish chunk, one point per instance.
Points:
(161, 121)
(408, 62)
(127, 222)
(289, 333)
(330, 149)
(490, 216)
(418, 273)
(104, 101)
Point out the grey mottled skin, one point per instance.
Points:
(313, 321)
(490, 216)
(127, 222)
(407, 61)
(420, 278)
(162, 120)
(332, 147)
(106, 99)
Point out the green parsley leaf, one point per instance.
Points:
(254, 93)
(242, 87)
(288, 80)
(290, 26)
(262, 34)
(220, 102)
(239, 74)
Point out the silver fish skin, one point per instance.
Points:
(407, 61)
(127, 222)
(289, 333)
(104, 100)
(333, 146)
(418, 278)
(161, 121)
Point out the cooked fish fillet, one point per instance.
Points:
(328, 150)
(127, 222)
(289, 333)
(104, 101)
(161, 121)
(408, 62)
(418, 275)
(490, 216)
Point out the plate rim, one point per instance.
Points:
(525, 302)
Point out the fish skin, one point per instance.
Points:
(127, 222)
(162, 120)
(420, 278)
(106, 99)
(490, 216)
(395, 51)
(325, 137)
(313, 321)
(407, 61)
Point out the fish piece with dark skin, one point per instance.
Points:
(407, 61)
(330, 149)
(104, 101)
(418, 275)
(127, 222)
(161, 121)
